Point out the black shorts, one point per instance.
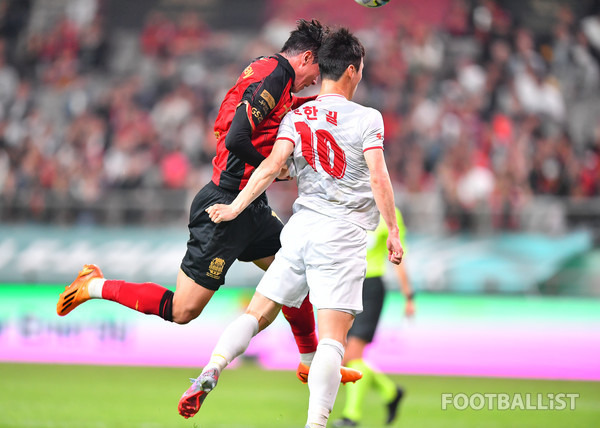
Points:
(212, 248)
(366, 322)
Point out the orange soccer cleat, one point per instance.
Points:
(348, 374)
(77, 293)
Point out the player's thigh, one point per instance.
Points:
(213, 248)
(265, 262)
(285, 280)
(335, 265)
(189, 299)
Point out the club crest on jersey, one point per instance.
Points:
(215, 269)
(248, 71)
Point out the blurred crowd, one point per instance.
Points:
(479, 109)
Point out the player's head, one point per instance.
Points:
(301, 50)
(342, 54)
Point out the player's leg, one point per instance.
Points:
(189, 299)
(302, 319)
(233, 342)
(280, 280)
(335, 269)
(324, 379)
(203, 269)
(149, 298)
(236, 337)
(355, 392)
(359, 336)
(302, 323)
(182, 306)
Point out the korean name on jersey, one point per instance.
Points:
(330, 136)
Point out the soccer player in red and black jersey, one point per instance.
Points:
(246, 127)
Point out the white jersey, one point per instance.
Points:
(330, 136)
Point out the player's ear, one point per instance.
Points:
(308, 58)
(351, 71)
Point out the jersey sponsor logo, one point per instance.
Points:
(215, 269)
(248, 71)
(257, 114)
(263, 105)
(268, 98)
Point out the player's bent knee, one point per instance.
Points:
(263, 320)
(184, 315)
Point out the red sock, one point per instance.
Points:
(302, 321)
(148, 297)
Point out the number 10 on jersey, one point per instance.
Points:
(330, 155)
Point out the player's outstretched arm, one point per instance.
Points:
(384, 198)
(262, 177)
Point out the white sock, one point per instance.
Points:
(233, 341)
(324, 381)
(95, 287)
(307, 358)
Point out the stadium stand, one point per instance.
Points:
(492, 122)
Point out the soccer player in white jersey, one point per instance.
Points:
(343, 185)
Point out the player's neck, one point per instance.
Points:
(339, 87)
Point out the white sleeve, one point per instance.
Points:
(287, 130)
(372, 129)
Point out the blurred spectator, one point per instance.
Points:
(478, 111)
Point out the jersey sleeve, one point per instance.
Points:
(261, 97)
(372, 130)
(287, 130)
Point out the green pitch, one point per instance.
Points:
(246, 397)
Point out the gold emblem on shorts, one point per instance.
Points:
(216, 268)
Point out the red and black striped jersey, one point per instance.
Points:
(265, 88)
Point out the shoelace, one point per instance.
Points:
(197, 384)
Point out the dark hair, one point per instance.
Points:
(339, 50)
(307, 36)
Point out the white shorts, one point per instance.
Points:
(322, 254)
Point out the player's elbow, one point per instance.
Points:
(377, 181)
(231, 143)
(270, 167)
